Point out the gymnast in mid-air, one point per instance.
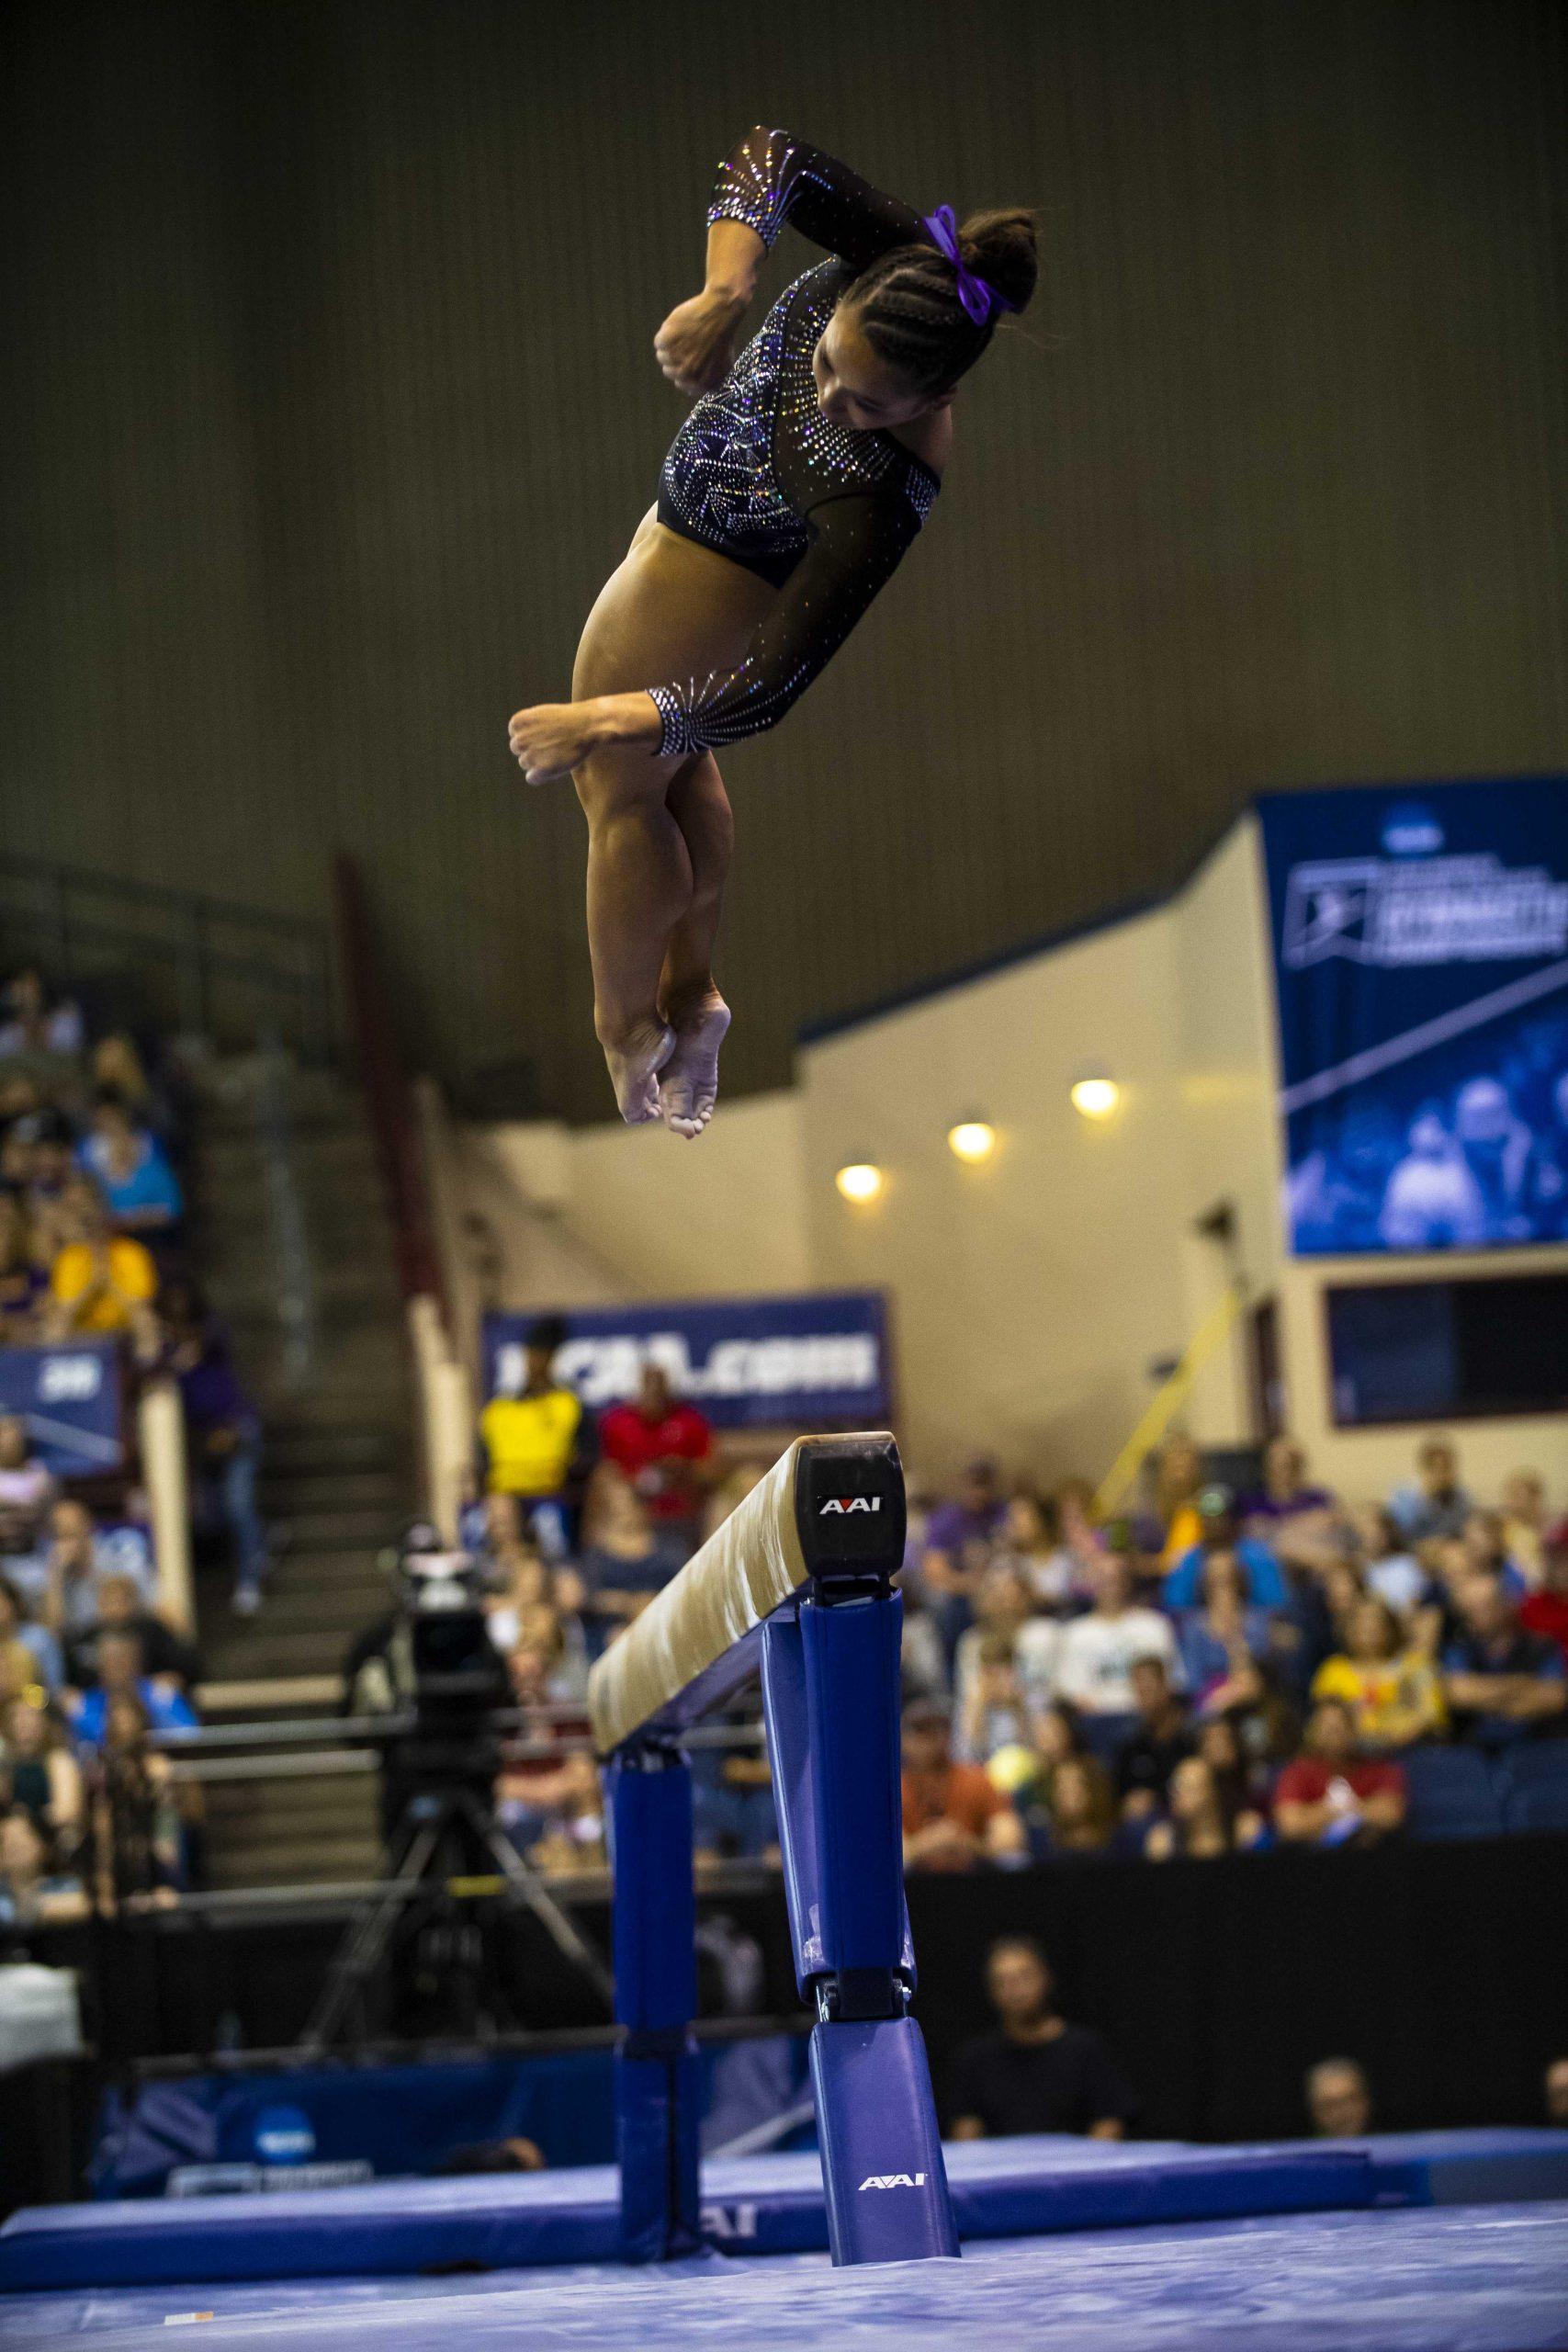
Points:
(805, 469)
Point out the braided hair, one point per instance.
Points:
(907, 306)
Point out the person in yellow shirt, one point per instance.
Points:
(538, 1443)
(1393, 1690)
(101, 1283)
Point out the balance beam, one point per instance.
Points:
(796, 1585)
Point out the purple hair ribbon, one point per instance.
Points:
(977, 294)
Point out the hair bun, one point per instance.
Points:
(1002, 248)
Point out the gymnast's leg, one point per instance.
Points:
(688, 995)
(659, 831)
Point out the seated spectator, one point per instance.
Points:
(1545, 1613)
(1179, 1477)
(1224, 1642)
(1332, 1794)
(1219, 1529)
(1505, 1684)
(1286, 1493)
(130, 1170)
(102, 1284)
(1077, 1813)
(24, 1284)
(539, 1443)
(1339, 2099)
(548, 1661)
(1055, 1547)
(953, 1816)
(1099, 1651)
(33, 1026)
(222, 1435)
(166, 1657)
(28, 1652)
(1039, 2074)
(118, 1069)
(566, 1835)
(665, 1447)
(1556, 2088)
(34, 1890)
(1003, 1605)
(1200, 1821)
(68, 1578)
(625, 1558)
(137, 1830)
(1240, 1772)
(1391, 1688)
(40, 1775)
(1435, 1503)
(28, 1490)
(1151, 1752)
(1485, 1546)
(1388, 1568)
(1525, 1522)
(121, 1675)
(992, 1711)
(521, 1579)
(960, 1538)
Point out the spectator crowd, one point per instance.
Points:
(92, 1247)
(1212, 1672)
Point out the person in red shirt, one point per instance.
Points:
(1332, 1795)
(665, 1447)
(953, 1814)
(1546, 1612)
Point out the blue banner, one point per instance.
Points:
(811, 1360)
(1421, 976)
(70, 1398)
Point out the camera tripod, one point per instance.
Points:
(450, 1850)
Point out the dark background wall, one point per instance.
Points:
(1217, 1983)
(329, 404)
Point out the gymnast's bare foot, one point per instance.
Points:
(688, 1083)
(633, 1062)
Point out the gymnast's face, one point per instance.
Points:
(854, 387)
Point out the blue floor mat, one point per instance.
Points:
(1490, 2278)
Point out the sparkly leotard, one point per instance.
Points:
(757, 472)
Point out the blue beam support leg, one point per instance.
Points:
(831, 1695)
(658, 2086)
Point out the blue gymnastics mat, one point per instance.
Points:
(1490, 2278)
(754, 2204)
(770, 2205)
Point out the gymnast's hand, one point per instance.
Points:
(550, 739)
(696, 346)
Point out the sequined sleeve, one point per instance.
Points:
(858, 538)
(770, 176)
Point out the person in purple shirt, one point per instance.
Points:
(960, 1536)
(223, 1432)
(121, 1676)
(1285, 1492)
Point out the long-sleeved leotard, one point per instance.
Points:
(756, 470)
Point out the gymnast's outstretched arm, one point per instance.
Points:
(858, 538)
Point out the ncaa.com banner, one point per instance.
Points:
(1421, 978)
(813, 1359)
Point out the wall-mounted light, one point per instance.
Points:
(972, 1139)
(861, 1181)
(1096, 1094)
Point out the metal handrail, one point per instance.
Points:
(67, 910)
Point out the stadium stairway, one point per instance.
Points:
(294, 1245)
